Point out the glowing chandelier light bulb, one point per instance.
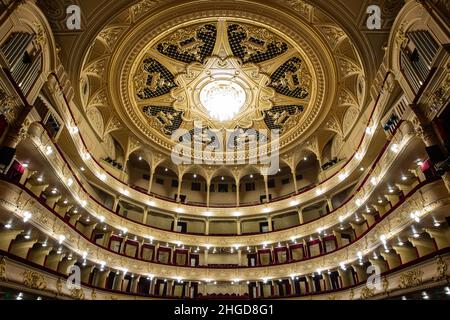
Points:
(222, 99)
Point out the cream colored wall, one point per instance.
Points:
(251, 226)
(222, 258)
(222, 227)
(194, 226)
(194, 196)
(135, 177)
(311, 214)
(165, 190)
(285, 221)
(159, 221)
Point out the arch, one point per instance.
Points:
(222, 171)
(196, 169)
(31, 19)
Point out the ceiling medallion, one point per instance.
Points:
(223, 94)
(223, 99)
(222, 84)
(225, 77)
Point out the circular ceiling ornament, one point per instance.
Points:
(290, 78)
(222, 99)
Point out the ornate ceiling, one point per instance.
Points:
(143, 72)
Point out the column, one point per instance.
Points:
(152, 286)
(440, 236)
(327, 281)
(118, 281)
(269, 221)
(207, 226)
(423, 245)
(239, 252)
(294, 178)
(134, 284)
(237, 193)
(406, 253)
(428, 135)
(239, 227)
(19, 130)
(208, 185)
(144, 218)
(330, 204)
(369, 218)
(338, 237)
(361, 272)
(206, 257)
(300, 215)
(175, 223)
(115, 205)
(404, 188)
(150, 180)
(310, 282)
(266, 186)
(392, 258)
(346, 278)
(180, 182)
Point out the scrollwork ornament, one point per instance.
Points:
(411, 278)
(352, 294)
(367, 293)
(385, 285)
(3, 277)
(441, 268)
(34, 280)
(77, 294)
(59, 285)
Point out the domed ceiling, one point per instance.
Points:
(230, 77)
(159, 72)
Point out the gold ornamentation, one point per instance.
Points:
(59, 285)
(143, 7)
(186, 41)
(257, 40)
(3, 277)
(441, 94)
(441, 269)
(6, 104)
(411, 278)
(367, 293)
(348, 67)
(300, 6)
(77, 294)
(385, 285)
(110, 35)
(400, 37)
(34, 280)
(93, 294)
(298, 79)
(279, 118)
(352, 294)
(333, 35)
(40, 38)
